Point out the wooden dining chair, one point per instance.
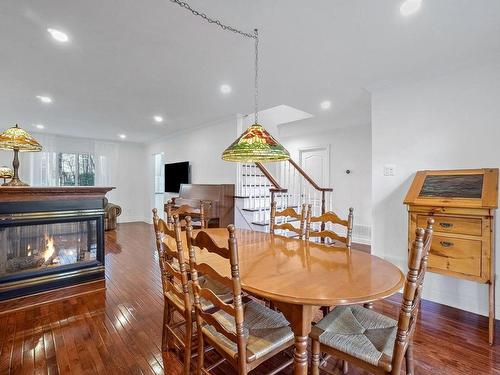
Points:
(285, 225)
(177, 289)
(371, 340)
(333, 218)
(245, 333)
(184, 210)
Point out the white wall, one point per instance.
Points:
(451, 122)
(131, 174)
(350, 148)
(203, 148)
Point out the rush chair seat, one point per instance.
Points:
(245, 333)
(264, 329)
(359, 332)
(177, 289)
(286, 225)
(372, 340)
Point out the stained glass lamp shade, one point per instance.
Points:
(18, 140)
(255, 145)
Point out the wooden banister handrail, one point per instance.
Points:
(270, 177)
(306, 176)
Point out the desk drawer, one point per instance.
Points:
(448, 224)
(456, 255)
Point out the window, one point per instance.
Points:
(76, 169)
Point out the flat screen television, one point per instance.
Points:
(175, 175)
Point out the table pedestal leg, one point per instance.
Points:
(300, 355)
(300, 318)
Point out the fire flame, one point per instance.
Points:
(50, 249)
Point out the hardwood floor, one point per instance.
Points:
(118, 331)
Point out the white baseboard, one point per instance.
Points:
(129, 219)
(362, 240)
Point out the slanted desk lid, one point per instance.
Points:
(474, 188)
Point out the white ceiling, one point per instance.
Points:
(128, 60)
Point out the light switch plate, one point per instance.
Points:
(389, 170)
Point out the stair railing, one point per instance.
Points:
(323, 190)
(285, 183)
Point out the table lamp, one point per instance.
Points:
(18, 140)
(6, 173)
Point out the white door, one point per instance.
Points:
(316, 163)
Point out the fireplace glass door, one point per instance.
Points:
(43, 247)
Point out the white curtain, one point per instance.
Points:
(106, 156)
(41, 169)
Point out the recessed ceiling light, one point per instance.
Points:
(122, 136)
(158, 118)
(225, 89)
(39, 126)
(410, 7)
(44, 99)
(325, 104)
(58, 35)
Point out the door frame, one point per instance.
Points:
(327, 148)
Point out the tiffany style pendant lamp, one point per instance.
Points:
(255, 144)
(18, 140)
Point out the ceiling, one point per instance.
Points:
(128, 60)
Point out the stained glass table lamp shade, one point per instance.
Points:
(18, 140)
(255, 145)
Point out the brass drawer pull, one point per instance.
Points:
(446, 225)
(446, 243)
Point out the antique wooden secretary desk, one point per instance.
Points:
(463, 204)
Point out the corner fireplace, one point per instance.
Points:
(50, 243)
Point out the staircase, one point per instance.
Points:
(284, 182)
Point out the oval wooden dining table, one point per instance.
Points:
(301, 276)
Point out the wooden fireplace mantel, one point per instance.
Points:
(32, 193)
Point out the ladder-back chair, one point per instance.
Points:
(184, 210)
(175, 285)
(245, 333)
(177, 288)
(371, 340)
(333, 218)
(288, 212)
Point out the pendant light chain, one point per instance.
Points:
(256, 93)
(254, 36)
(210, 20)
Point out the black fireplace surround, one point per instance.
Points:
(48, 244)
